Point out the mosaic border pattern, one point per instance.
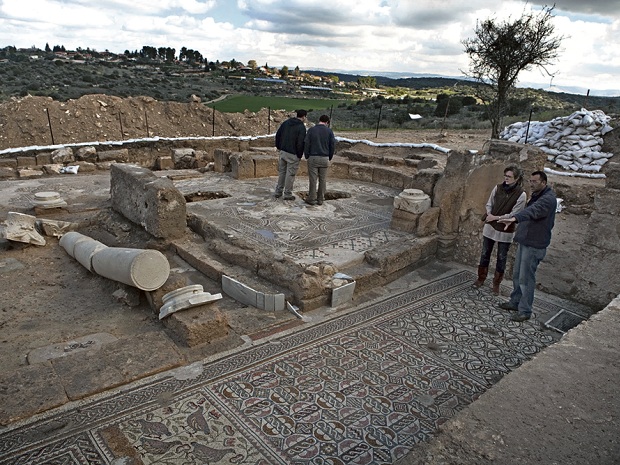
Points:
(364, 387)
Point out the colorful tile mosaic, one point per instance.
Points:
(361, 388)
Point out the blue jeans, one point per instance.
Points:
(288, 164)
(502, 254)
(524, 277)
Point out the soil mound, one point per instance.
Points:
(31, 121)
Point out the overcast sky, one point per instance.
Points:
(411, 36)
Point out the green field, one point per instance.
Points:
(239, 103)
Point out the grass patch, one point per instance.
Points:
(240, 103)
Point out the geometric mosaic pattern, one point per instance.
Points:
(362, 388)
(353, 224)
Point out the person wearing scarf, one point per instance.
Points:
(505, 200)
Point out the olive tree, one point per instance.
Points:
(501, 50)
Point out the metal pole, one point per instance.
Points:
(331, 109)
(49, 122)
(527, 131)
(445, 115)
(378, 119)
(213, 126)
(121, 123)
(268, 120)
(146, 118)
(585, 103)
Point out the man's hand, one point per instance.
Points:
(507, 221)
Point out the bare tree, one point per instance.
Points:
(500, 51)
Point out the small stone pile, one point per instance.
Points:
(573, 142)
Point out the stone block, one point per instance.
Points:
(265, 166)
(152, 202)
(29, 390)
(29, 173)
(85, 166)
(8, 163)
(361, 172)
(164, 163)
(338, 169)
(88, 154)
(612, 173)
(6, 173)
(404, 221)
(116, 363)
(427, 222)
(424, 180)
(389, 177)
(63, 155)
(197, 325)
(184, 158)
(120, 155)
(401, 254)
(221, 160)
(43, 159)
(24, 162)
(242, 165)
(359, 156)
(393, 161)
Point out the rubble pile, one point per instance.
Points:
(573, 142)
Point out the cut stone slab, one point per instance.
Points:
(117, 363)
(248, 296)
(29, 390)
(55, 228)
(62, 349)
(343, 294)
(22, 228)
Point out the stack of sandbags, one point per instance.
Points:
(573, 142)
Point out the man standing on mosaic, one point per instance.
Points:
(505, 200)
(290, 142)
(319, 148)
(533, 236)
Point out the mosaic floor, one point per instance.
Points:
(362, 388)
(339, 230)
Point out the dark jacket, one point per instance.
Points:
(536, 220)
(505, 199)
(320, 141)
(290, 136)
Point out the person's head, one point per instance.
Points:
(512, 175)
(538, 181)
(301, 114)
(324, 119)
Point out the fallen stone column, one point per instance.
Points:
(142, 268)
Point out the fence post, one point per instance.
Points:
(146, 118)
(527, 131)
(49, 122)
(120, 121)
(213, 124)
(268, 120)
(378, 120)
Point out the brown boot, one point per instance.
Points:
(482, 275)
(497, 280)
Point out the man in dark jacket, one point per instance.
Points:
(319, 149)
(534, 225)
(290, 142)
